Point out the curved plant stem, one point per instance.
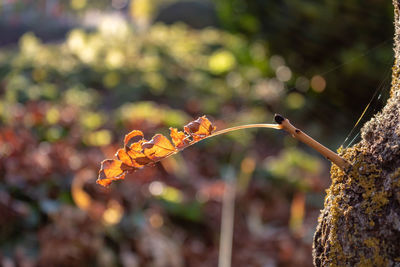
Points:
(247, 126)
(224, 131)
(235, 128)
(282, 124)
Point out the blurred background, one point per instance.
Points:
(77, 75)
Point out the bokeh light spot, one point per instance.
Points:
(156, 220)
(156, 188)
(53, 133)
(283, 73)
(172, 194)
(98, 138)
(114, 58)
(78, 4)
(113, 213)
(318, 83)
(76, 40)
(52, 116)
(221, 61)
(295, 101)
(276, 61)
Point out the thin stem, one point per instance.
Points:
(247, 126)
(283, 124)
(235, 128)
(227, 130)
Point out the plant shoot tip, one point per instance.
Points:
(279, 118)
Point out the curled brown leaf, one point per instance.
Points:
(137, 152)
(133, 136)
(180, 139)
(111, 170)
(200, 128)
(158, 147)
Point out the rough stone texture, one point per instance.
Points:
(360, 222)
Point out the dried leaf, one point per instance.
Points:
(158, 147)
(135, 152)
(133, 136)
(180, 139)
(200, 128)
(123, 156)
(138, 152)
(111, 170)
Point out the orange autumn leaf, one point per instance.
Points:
(132, 136)
(180, 139)
(158, 147)
(200, 128)
(135, 152)
(123, 156)
(138, 152)
(111, 170)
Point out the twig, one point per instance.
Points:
(303, 137)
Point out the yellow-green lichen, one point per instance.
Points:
(375, 245)
(363, 176)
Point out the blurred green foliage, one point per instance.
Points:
(349, 43)
(198, 71)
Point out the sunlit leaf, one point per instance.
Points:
(133, 136)
(158, 147)
(111, 170)
(123, 156)
(135, 152)
(180, 139)
(138, 152)
(199, 128)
